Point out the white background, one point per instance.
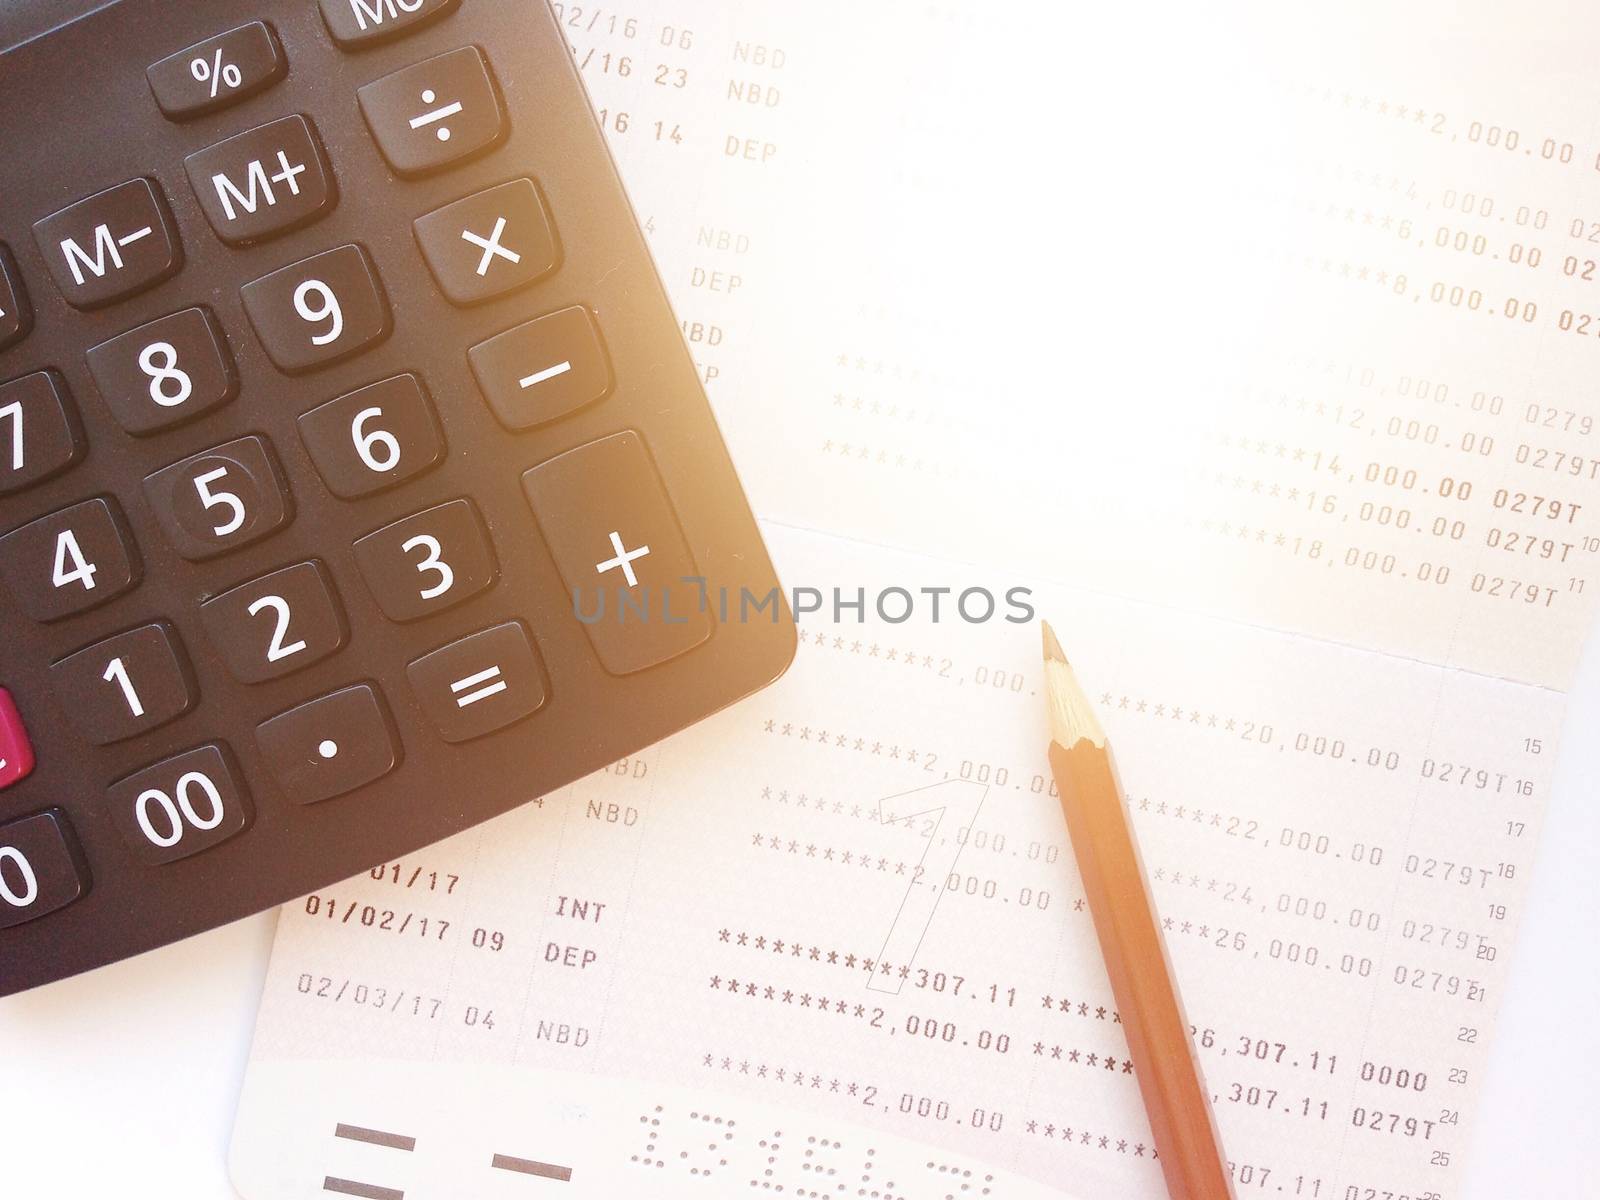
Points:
(123, 1082)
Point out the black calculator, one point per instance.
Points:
(356, 483)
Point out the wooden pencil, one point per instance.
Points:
(1125, 920)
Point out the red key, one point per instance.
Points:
(16, 752)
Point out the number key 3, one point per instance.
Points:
(220, 499)
(427, 562)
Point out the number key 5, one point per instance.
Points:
(164, 373)
(220, 499)
(427, 562)
(318, 310)
(373, 438)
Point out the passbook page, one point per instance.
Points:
(1253, 353)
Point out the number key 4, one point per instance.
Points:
(70, 561)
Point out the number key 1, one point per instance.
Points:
(125, 685)
(164, 373)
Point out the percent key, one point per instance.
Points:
(217, 72)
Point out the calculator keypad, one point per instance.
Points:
(220, 499)
(436, 113)
(263, 182)
(264, 496)
(489, 244)
(544, 369)
(481, 683)
(181, 806)
(615, 540)
(126, 685)
(110, 245)
(373, 438)
(164, 373)
(331, 745)
(16, 314)
(217, 72)
(319, 310)
(357, 24)
(40, 435)
(70, 561)
(277, 624)
(428, 562)
(41, 868)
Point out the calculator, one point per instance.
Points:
(356, 482)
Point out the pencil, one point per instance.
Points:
(1175, 1097)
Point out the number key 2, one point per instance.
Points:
(276, 624)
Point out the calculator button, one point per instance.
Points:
(434, 113)
(217, 72)
(110, 245)
(276, 624)
(125, 685)
(318, 310)
(373, 438)
(41, 867)
(544, 369)
(16, 751)
(164, 373)
(611, 529)
(356, 24)
(16, 314)
(220, 499)
(39, 431)
(263, 182)
(181, 806)
(70, 561)
(481, 683)
(427, 562)
(488, 244)
(330, 746)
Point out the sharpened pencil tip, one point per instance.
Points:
(1052, 648)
